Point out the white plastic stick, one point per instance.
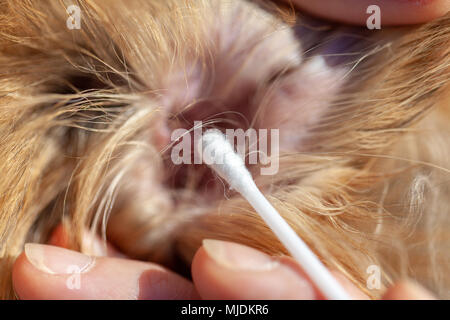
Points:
(219, 155)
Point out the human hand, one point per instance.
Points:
(393, 12)
(220, 270)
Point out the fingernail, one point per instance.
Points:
(417, 291)
(56, 260)
(238, 257)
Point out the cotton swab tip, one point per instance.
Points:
(218, 153)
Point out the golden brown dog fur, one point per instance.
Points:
(78, 144)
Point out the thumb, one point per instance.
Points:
(225, 270)
(49, 272)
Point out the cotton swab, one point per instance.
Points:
(219, 155)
